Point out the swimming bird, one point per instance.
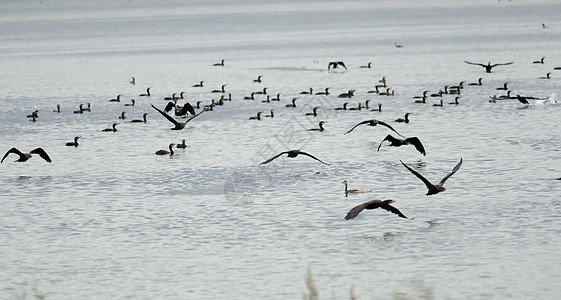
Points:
(75, 143)
(403, 120)
(544, 26)
(320, 128)
(81, 110)
(166, 152)
(307, 93)
(388, 92)
(314, 112)
(258, 78)
(271, 115)
(373, 122)
(178, 125)
(347, 191)
(25, 156)
(376, 91)
(264, 92)
(335, 65)
(547, 76)
(424, 100)
(434, 189)
(250, 97)
(367, 104)
(541, 61)
(400, 142)
(57, 110)
(359, 107)
(173, 97)
(89, 108)
(199, 84)
(181, 145)
(220, 64)
(368, 66)
(143, 120)
(557, 68)
(455, 101)
(221, 90)
(489, 66)
(441, 103)
(503, 88)
(344, 106)
(131, 104)
(133, 81)
(425, 93)
(258, 117)
(292, 154)
(268, 100)
(397, 45)
(379, 108)
(348, 94)
(293, 103)
(118, 99)
(277, 98)
(34, 116)
(479, 82)
(373, 205)
(324, 93)
(113, 128)
(122, 115)
(147, 94)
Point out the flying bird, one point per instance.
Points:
(489, 66)
(335, 65)
(25, 156)
(395, 142)
(178, 125)
(434, 189)
(373, 122)
(292, 154)
(373, 205)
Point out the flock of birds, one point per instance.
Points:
(173, 110)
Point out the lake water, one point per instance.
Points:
(112, 220)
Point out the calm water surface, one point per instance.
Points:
(111, 220)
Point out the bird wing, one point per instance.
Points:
(385, 124)
(187, 108)
(467, 62)
(342, 64)
(177, 124)
(330, 64)
(393, 210)
(169, 107)
(388, 137)
(417, 143)
(423, 179)
(41, 153)
(13, 150)
(307, 154)
(193, 117)
(357, 209)
(273, 158)
(363, 122)
(503, 64)
(456, 168)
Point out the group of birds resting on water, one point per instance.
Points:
(189, 110)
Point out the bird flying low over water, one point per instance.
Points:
(335, 65)
(373, 205)
(373, 122)
(434, 189)
(178, 125)
(292, 154)
(489, 66)
(395, 142)
(25, 156)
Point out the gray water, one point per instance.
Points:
(111, 220)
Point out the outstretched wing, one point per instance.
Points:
(342, 64)
(176, 123)
(363, 122)
(417, 143)
(388, 137)
(385, 124)
(357, 209)
(307, 154)
(467, 62)
(331, 64)
(393, 210)
(13, 150)
(41, 153)
(423, 179)
(456, 168)
(187, 108)
(273, 158)
(503, 64)
(189, 120)
(169, 107)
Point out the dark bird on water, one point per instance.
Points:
(113, 128)
(220, 64)
(118, 99)
(373, 205)
(335, 65)
(221, 90)
(479, 82)
(403, 120)
(314, 112)
(81, 110)
(75, 143)
(25, 156)
(368, 66)
(347, 191)
(489, 66)
(326, 92)
(455, 101)
(146, 94)
(541, 61)
(166, 152)
(133, 81)
(348, 94)
(441, 103)
(143, 120)
(547, 76)
(503, 88)
(258, 79)
(182, 145)
(292, 154)
(344, 107)
(293, 104)
(178, 125)
(373, 122)
(434, 189)
(122, 115)
(307, 92)
(57, 110)
(395, 142)
(199, 84)
(258, 117)
(131, 104)
(320, 127)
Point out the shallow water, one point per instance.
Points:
(110, 219)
